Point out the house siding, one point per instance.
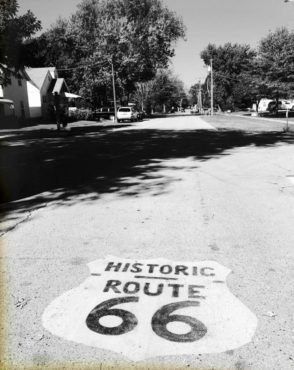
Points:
(46, 98)
(40, 95)
(34, 99)
(17, 91)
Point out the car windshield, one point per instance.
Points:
(124, 109)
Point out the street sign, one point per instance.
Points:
(147, 308)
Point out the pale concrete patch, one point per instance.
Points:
(173, 123)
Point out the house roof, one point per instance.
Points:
(20, 73)
(60, 82)
(57, 85)
(38, 75)
(71, 95)
(6, 101)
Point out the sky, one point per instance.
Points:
(206, 21)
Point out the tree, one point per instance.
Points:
(276, 62)
(193, 93)
(137, 36)
(162, 93)
(199, 94)
(243, 75)
(143, 94)
(251, 87)
(15, 34)
(231, 62)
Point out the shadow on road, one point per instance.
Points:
(87, 162)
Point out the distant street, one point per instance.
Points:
(200, 197)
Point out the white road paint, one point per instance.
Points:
(211, 318)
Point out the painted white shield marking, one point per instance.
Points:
(148, 308)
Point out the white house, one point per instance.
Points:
(16, 92)
(32, 94)
(43, 83)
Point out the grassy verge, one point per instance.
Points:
(232, 122)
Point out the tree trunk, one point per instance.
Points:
(277, 104)
(257, 104)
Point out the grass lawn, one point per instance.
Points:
(247, 123)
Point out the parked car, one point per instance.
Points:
(141, 115)
(194, 109)
(287, 104)
(127, 114)
(270, 105)
(104, 112)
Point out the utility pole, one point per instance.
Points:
(199, 98)
(114, 93)
(287, 120)
(211, 88)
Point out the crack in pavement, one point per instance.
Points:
(28, 216)
(10, 228)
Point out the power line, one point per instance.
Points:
(82, 66)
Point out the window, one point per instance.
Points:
(19, 82)
(22, 110)
(125, 109)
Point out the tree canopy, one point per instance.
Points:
(276, 61)
(137, 36)
(15, 31)
(243, 75)
(165, 90)
(231, 64)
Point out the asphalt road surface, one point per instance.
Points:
(208, 202)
